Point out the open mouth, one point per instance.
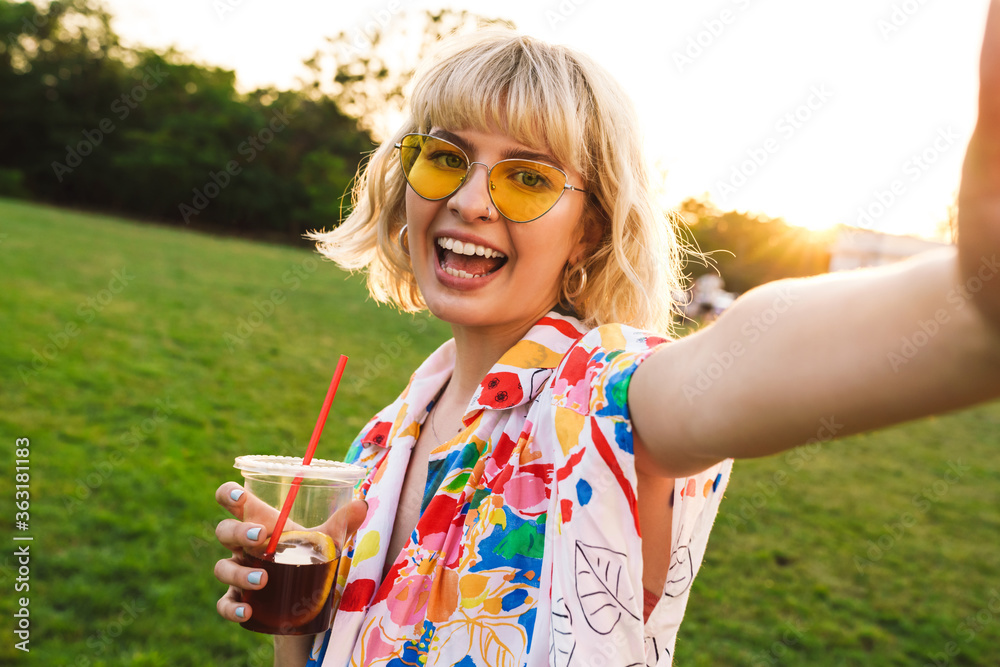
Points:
(467, 260)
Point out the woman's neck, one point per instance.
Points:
(477, 350)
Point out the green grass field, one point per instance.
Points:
(140, 360)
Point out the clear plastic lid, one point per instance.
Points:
(291, 466)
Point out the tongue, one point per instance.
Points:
(472, 264)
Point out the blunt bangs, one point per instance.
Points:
(500, 81)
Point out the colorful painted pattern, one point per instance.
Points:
(527, 550)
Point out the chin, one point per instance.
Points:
(473, 314)
(463, 316)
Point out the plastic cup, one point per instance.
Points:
(298, 598)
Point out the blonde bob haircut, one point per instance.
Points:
(549, 98)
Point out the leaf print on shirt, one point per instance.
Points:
(653, 652)
(681, 572)
(601, 586)
(562, 644)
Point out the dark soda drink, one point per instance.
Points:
(298, 596)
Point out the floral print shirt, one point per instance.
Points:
(528, 549)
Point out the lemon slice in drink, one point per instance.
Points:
(305, 547)
(313, 550)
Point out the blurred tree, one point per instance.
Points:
(86, 121)
(55, 64)
(748, 250)
(368, 71)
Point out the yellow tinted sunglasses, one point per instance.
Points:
(522, 190)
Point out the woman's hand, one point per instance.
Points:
(979, 196)
(235, 535)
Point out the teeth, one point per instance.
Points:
(458, 273)
(470, 249)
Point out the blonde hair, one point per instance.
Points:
(546, 97)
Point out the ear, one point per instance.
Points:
(591, 233)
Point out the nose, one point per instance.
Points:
(472, 200)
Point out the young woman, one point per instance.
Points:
(543, 490)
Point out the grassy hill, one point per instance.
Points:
(141, 360)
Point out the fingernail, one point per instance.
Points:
(253, 534)
(236, 494)
(254, 578)
(240, 613)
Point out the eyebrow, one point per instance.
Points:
(453, 138)
(509, 154)
(525, 154)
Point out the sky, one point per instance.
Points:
(855, 112)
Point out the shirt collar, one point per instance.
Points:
(514, 380)
(523, 370)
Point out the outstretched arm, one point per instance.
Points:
(842, 353)
(979, 197)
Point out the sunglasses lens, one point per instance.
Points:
(524, 190)
(434, 168)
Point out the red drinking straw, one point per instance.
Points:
(292, 492)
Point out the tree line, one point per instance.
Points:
(88, 122)
(748, 250)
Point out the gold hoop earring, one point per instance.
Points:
(404, 241)
(567, 280)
